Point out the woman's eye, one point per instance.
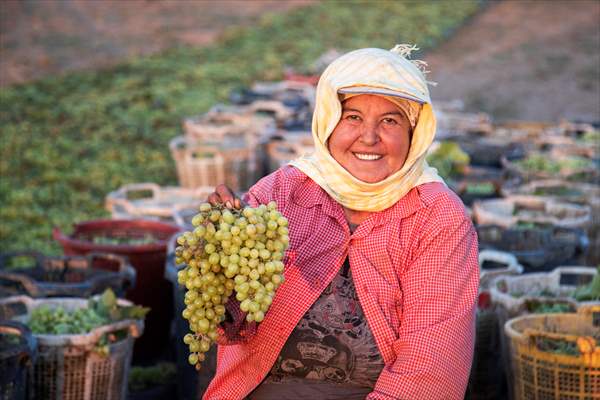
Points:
(353, 117)
(390, 121)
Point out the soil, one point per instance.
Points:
(47, 37)
(532, 60)
(516, 59)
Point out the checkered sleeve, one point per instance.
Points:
(434, 348)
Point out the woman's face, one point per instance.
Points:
(372, 138)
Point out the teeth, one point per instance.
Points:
(367, 157)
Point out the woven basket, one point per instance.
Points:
(586, 174)
(543, 374)
(538, 248)
(202, 165)
(16, 360)
(494, 263)
(511, 294)
(151, 201)
(67, 367)
(557, 190)
(66, 276)
(511, 211)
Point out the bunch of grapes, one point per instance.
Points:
(229, 251)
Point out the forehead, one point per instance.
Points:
(368, 102)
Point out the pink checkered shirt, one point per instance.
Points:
(415, 271)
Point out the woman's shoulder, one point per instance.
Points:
(439, 201)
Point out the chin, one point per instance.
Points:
(369, 178)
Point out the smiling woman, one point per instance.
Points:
(381, 272)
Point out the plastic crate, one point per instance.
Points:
(151, 201)
(67, 367)
(538, 372)
(513, 296)
(148, 259)
(537, 248)
(17, 352)
(191, 384)
(66, 276)
(511, 211)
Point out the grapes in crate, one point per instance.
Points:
(229, 253)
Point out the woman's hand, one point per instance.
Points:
(226, 196)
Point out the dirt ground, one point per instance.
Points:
(46, 37)
(535, 60)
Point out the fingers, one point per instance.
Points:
(222, 195)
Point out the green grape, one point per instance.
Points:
(228, 253)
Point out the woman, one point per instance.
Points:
(381, 274)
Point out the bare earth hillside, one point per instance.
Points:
(45, 37)
(516, 59)
(535, 60)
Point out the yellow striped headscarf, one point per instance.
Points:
(379, 72)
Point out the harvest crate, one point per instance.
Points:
(17, 352)
(147, 256)
(67, 367)
(66, 276)
(540, 370)
(151, 201)
(202, 165)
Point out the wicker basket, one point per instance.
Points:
(537, 248)
(494, 263)
(16, 360)
(202, 165)
(476, 183)
(149, 200)
(512, 211)
(67, 367)
(556, 190)
(573, 192)
(148, 259)
(540, 373)
(66, 276)
(589, 174)
(512, 294)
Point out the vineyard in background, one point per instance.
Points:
(68, 141)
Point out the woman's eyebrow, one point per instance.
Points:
(358, 111)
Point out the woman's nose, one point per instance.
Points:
(369, 134)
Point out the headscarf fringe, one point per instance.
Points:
(405, 50)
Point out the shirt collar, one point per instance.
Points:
(309, 195)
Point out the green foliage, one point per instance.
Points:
(102, 311)
(538, 162)
(591, 291)
(141, 378)
(68, 141)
